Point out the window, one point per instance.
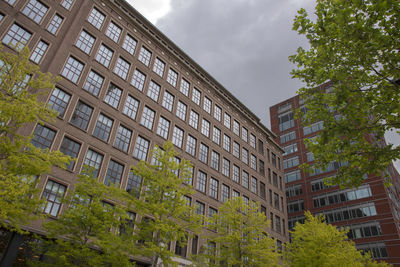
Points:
(43, 137)
(181, 111)
(260, 147)
(191, 145)
(113, 96)
(185, 85)
(215, 160)
(147, 118)
(292, 148)
(163, 127)
(134, 184)
(96, 18)
(226, 167)
(292, 176)
(253, 185)
(227, 143)
(93, 83)
(200, 208)
(276, 201)
(81, 116)
(253, 141)
(364, 230)
(294, 190)
(227, 120)
(285, 120)
(236, 174)
(201, 181)
(310, 156)
(114, 173)
(235, 194)
(158, 67)
(103, 127)
(207, 105)
(253, 162)
(39, 52)
(193, 119)
(261, 167)
(277, 224)
(177, 137)
(71, 148)
(93, 159)
(213, 188)
(377, 250)
(244, 134)
(85, 42)
(154, 91)
(236, 128)
(129, 44)
(246, 200)
(55, 24)
(196, 96)
(122, 68)
(59, 101)
(72, 69)
(217, 113)
(290, 162)
(11, 2)
(315, 127)
(53, 194)
(113, 31)
(17, 37)
(104, 55)
(203, 153)
(245, 179)
(262, 191)
(273, 159)
(205, 127)
(144, 56)
(288, 137)
(141, 148)
(67, 4)
(35, 10)
(275, 179)
(131, 107)
(236, 150)
(181, 247)
(296, 206)
(225, 193)
(123, 138)
(245, 155)
(350, 212)
(168, 101)
(195, 243)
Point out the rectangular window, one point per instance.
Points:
(236, 174)
(292, 148)
(213, 188)
(296, 206)
(253, 141)
(93, 159)
(172, 77)
(260, 147)
(16, 37)
(81, 116)
(134, 184)
(292, 176)
(72, 70)
(254, 185)
(225, 190)
(246, 200)
(227, 120)
(215, 160)
(193, 119)
(71, 148)
(290, 162)
(203, 153)
(163, 127)
(104, 55)
(114, 173)
(122, 68)
(59, 100)
(217, 113)
(286, 121)
(191, 145)
(159, 67)
(131, 107)
(253, 162)
(277, 224)
(227, 143)
(67, 4)
(141, 148)
(261, 167)
(276, 201)
(244, 134)
(245, 179)
(236, 149)
(177, 137)
(196, 96)
(55, 24)
(235, 194)
(53, 194)
(216, 135)
(195, 245)
(207, 105)
(85, 42)
(144, 56)
(39, 52)
(96, 18)
(113, 96)
(288, 137)
(35, 10)
(275, 179)
(185, 85)
(315, 127)
(245, 155)
(181, 110)
(103, 127)
(205, 127)
(93, 83)
(168, 101)
(113, 31)
(226, 167)
(129, 44)
(236, 128)
(43, 137)
(262, 190)
(201, 181)
(200, 208)
(294, 190)
(154, 91)
(138, 80)
(123, 138)
(147, 118)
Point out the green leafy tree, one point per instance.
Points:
(21, 83)
(316, 243)
(95, 230)
(240, 231)
(354, 45)
(166, 215)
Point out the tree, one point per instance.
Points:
(21, 83)
(316, 243)
(166, 215)
(92, 231)
(355, 46)
(240, 230)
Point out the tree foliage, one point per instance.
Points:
(354, 44)
(21, 83)
(316, 243)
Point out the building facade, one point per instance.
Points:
(125, 88)
(371, 212)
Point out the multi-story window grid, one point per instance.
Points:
(236, 149)
(138, 79)
(225, 190)
(185, 85)
(93, 83)
(55, 24)
(144, 56)
(134, 184)
(244, 134)
(17, 37)
(288, 137)
(129, 44)
(39, 51)
(226, 167)
(191, 145)
(245, 179)
(236, 127)
(59, 100)
(290, 162)
(43, 137)
(67, 4)
(71, 148)
(114, 173)
(147, 118)
(163, 127)
(159, 67)
(205, 127)
(213, 188)
(104, 55)
(131, 107)
(217, 113)
(292, 176)
(177, 137)
(154, 91)
(35, 10)
(207, 105)
(72, 69)
(203, 153)
(245, 155)
(113, 95)
(226, 143)
(201, 181)
(85, 42)
(236, 173)
(253, 187)
(181, 110)
(193, 119)
(123, 138)
(253, 141)
(53, 194)
(216, 135)
(253, 162)
(96, 18)
(227, 120)
(196, 96)
(295, 206)
(377, 250)
(215, 160)
(122, 68)
(94, 160)
(113, 31)
(168, 101)
(141, 148)
(81, 116)
(103, 127)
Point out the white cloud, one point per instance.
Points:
(152, 9)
